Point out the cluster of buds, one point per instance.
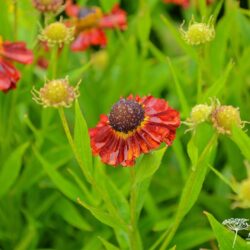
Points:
(57, 34)
(198, 33)
(56, 93)
(222, 117)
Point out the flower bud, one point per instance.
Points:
(198, 33)
(200, 113)
(224, 117)
(48, 5)
(56, 93)
(57, 34)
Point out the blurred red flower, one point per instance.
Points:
(134, 126)
(12, 51)
(183, 3)
(90, 24)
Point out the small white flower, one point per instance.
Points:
(236, 224)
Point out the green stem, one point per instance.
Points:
(201, 55)
(15, 19)
(53, 62)
(133, 231)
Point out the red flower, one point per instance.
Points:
(12, 51)
(90, 23)
(183, 3)
(134, 126)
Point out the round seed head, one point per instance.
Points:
(126, 115)
(198, 33)
(200, 113)
(57, 34)
(56, 93)
(224, 117)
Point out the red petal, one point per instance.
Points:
(116, 19)
(89, 37)
(18, 52)
(8, 76)
(71, 9)
(183, 3)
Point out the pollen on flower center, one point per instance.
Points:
(56, 31)
(126, 115)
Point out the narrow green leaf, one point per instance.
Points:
(66, 187)
(191, 239)
(192, 151)
(144, 23)
(103, 216)
(218, 85)
(11, 168)
(149, 165)
(242, 140)
(179, 91)
(81, 139)
(225, 237)
(192, 188)
(118, 199)
(107, 245)
(70, 214)
(176, 34)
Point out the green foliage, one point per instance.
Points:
(54, 194)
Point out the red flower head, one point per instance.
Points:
(90, 23)
(183, 3)
(134, 126)
(12, 51)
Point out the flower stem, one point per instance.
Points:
(15, 19)
(53, 62)
(133, 229)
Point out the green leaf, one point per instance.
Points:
(144, 172)
(103, 216)
(193, 151)
(176, 34)
(191, 239)
(179, 91)
(108, 4)
(11, 168)
(218, 85)
(225, 237)
(192, 188)
(82, 140)
(242, 140)
(149, 165)
(66, 187)
(71, 215)
(107, 245)
(118, 199)
(144, 23)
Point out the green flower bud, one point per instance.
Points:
(56, 93)
(198, 33)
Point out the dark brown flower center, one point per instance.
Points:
(84, 12)
(126, 115)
